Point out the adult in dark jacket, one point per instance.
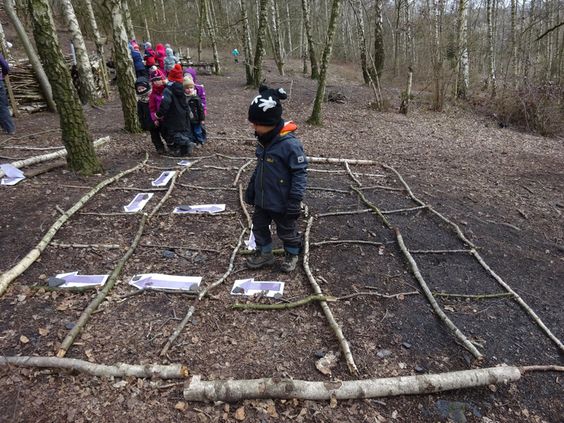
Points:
(278, 183)
(174, 115)
(5, 118)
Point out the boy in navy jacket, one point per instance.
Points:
(278, 183)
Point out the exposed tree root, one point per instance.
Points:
(326, 310)
(201, 295)
(7, 277)
(283, 306)
(172, 371)
(237, 390)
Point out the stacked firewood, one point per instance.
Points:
(27, 90)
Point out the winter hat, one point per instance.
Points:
(188, 81)
(150, 61)
(157, 75)
(175, 74)
(147, 45)
(142, 85)
(265, 109)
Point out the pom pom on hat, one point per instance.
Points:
(188, 81)
(157, 74)
(266, 109)
(175, 74)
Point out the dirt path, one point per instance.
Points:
(505, 189)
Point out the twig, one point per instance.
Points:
(354, 178)
(21, 147)
(345, 241)
(137, 189)
(283, 306)
(341, 191)
(342, 213)
(27, 136)
(473, 296)
(240, 171)
(234, 157)
(218, 167)
(201, 295)
(172, 371)
(403, 210)
(7, 277)
(205, 188)
(415, 269)
(109, 213)
(244, 207)
(519, 300)
(326, 310)
(439, 251)
(372, 206)
(179, 247)
(431, 209)
(382, 187)
(545, 368)
(76, 186)
(377, 294)
(64, 245)
(85, 316)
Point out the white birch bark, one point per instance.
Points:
(463, 79)
(491, 53)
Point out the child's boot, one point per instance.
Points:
(290, 262)
(260, 259)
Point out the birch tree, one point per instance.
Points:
(99, 46)
(76, 138)
(211, 33)
(463, 71)
(315, 117)
(275, 37)
(38, 70)
(437, 56)
(127, 20)
(379, 52)
(124, 65)
(246, 42)
(83, 65)
(491, 82)
(359, 17)
(310, 42)
(260, 49)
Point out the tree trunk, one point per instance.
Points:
(379, 52)
(211, 32)
(491, 53)
(124, 66)
(315, 118)
(398, 4)
(310, 42)
(5, 53)
(359, 16)
(99, 47)
(78, 143)
(127, 20)
(246, 42)
(32, 55)
(437, 58)
(463, 77)
(275, 36)
(406, 95)
(289, 28)
(259, 49)
(513, 35)
(201, 25)
(88, 87)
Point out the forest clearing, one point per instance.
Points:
(433, 245)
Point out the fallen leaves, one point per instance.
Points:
(326, 363)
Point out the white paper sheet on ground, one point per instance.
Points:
(162, 281)
(138, 202)
(251, 287)
(74, 280)
(184, 163)
(164, 179)
(251, 243)
(13, 174)
(200, 208)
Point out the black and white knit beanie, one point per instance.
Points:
(266, 109)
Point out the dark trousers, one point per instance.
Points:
(287, 230)
(156, 139)
(5, 118)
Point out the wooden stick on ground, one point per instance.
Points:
(338, 161)
(205, 188)
(519, 300)
(343, 213)
(46, 157)
(354, 178)
(340, 191)
(415, 269)
(104, 246)
(283, 306)
(238, 390)
(372, 206)
(244, 207)
(7, 277)
(85, 316)
(240, 171)
(326, 310)
(172, 371)
(408, 209)
(345, 241)
(201, 295)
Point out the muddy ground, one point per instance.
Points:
(504, 188)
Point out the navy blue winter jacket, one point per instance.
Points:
(281, 172)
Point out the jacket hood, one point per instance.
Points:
(288, 127)
(169, 52)
(192, 72)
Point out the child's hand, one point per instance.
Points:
(293, 209)
(156, 122)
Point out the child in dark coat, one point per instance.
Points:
(278, 183)
(143, 90)
(197, 115)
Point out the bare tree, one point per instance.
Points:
(260, 49)
(99, 46)
(379, 52)
(124, 65)
(32, 55)
(127, 20)
(463, 71)
(211, 32)
(83, 65)
(310, 42)
(437, 56)
(274, 32)
(76, 138)
(359, 17)
(491, 82)
(246, 42)
(315, 117)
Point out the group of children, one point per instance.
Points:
(170, 104)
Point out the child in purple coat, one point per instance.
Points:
(200, 90)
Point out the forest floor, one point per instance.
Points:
(505, 189)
